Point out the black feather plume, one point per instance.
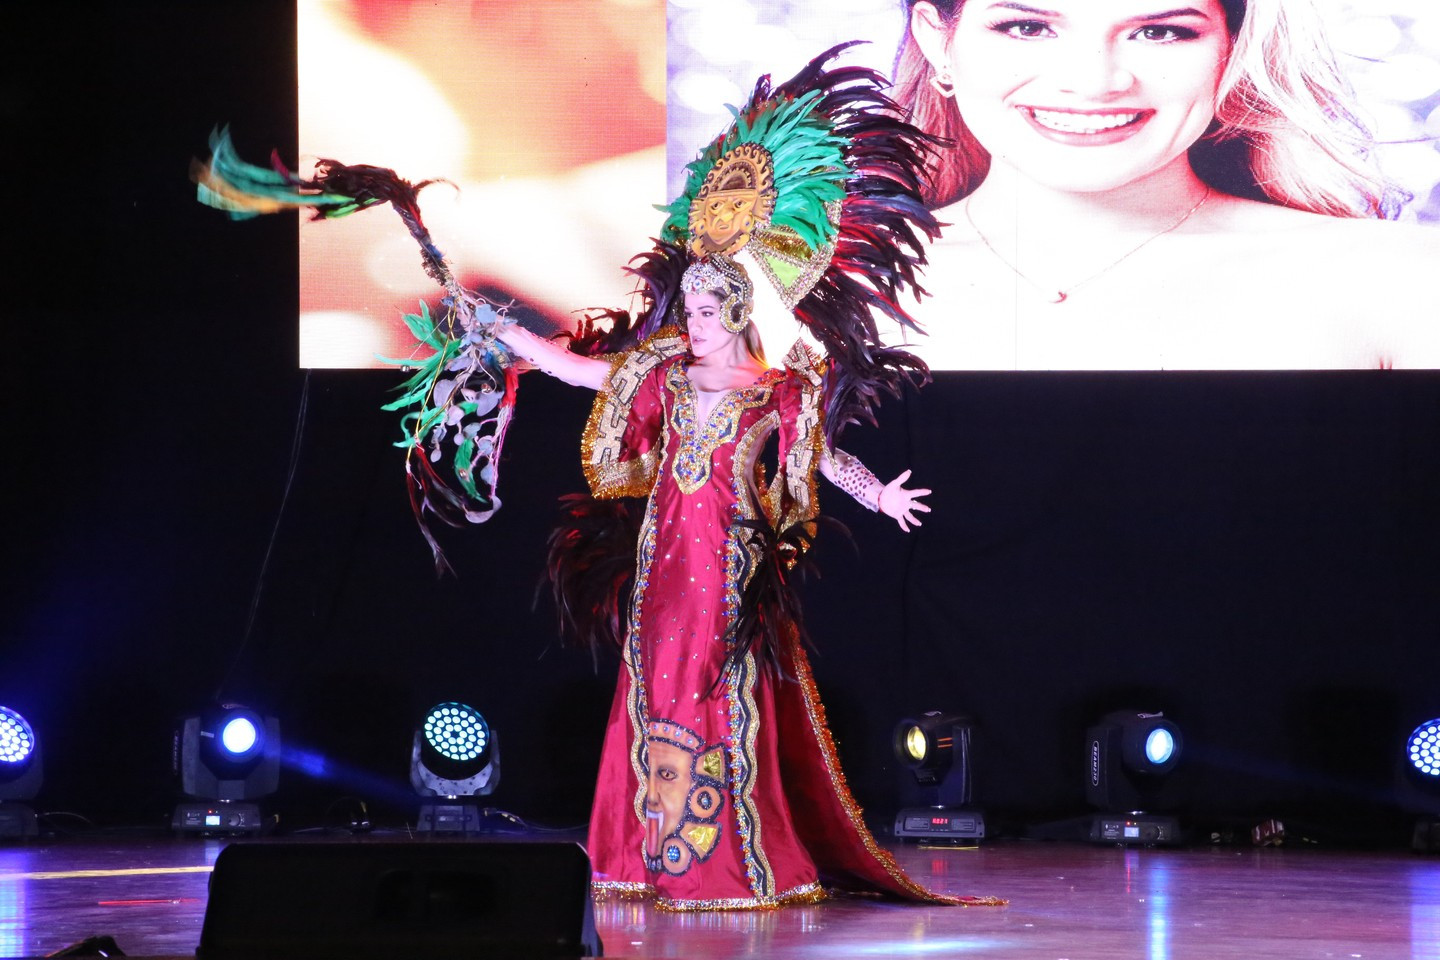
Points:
(590, 566)
(774, 565)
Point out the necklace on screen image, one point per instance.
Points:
(1055, 295)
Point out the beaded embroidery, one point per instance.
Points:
(617, 890)
(637, 702)
(691, 467)
(602, 441)
(855, 478)
(744, 728)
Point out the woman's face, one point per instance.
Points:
(1087, 95)
(702, 319)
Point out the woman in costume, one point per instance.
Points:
(719, 786)
(1135, 185)
(690, 804)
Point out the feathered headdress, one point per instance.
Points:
(461, 397)
(818, 181)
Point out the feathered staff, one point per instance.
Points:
(463, 395)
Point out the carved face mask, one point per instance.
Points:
(736, 199)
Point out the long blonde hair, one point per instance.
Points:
(1285, 129)
(753, 346)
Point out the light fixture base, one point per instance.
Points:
(935, 825)
(1426, 838)
(17, 822)
(1137, 829)
(217, 819)
(462, 818)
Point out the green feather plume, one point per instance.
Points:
(808, 158)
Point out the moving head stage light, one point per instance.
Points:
(1418, 784)
(1129, 756)
(20, 774)
(227, 757)
(454, 755)
(936, 748)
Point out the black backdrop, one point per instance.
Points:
(1256, 554)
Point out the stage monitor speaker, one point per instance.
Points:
(383, 900)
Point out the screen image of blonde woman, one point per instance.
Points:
(1141, 185)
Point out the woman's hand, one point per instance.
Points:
(902, 504)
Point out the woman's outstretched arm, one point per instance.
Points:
(893, 499)
(549, 357)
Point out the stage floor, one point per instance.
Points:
(1067, 902)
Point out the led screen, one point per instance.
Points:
(562, 125)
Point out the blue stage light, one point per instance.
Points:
(239, 735)
(1129, 755)
(456, 731)
(1159, 746)
(1150, 745)
(20, 774)
(17, 739)
(227, 757)
(1423, 749)
(1417, 775)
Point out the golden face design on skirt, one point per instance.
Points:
(684, 796)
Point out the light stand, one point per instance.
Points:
(454, 757)
(226, 758)
(1128, 755)
(21, 773)
(936, 748)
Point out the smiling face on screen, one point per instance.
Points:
(1082, 95)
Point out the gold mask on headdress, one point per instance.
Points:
(737, 197)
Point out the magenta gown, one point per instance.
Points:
(731, 799)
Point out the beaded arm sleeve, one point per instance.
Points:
(849, 474)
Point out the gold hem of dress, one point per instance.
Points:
(612, 890)
(617, 890)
